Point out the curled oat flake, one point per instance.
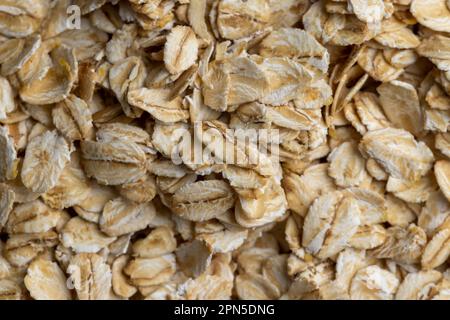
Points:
(57, 82)
(33, 217)
(73, 119)
(120, 284)
(9, 161)
(90, 276)
(180, 49)
(120, 217)
(412, 160)
(331, 221)
(203, 200)
(433, 14)
(46, 281)
(373, 283)
(84, 236)
(151, 271)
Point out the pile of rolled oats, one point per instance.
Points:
(101, 196)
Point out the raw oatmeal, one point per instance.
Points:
(224, 149)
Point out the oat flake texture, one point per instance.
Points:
(339, 189)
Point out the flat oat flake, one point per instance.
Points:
(45, 158)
